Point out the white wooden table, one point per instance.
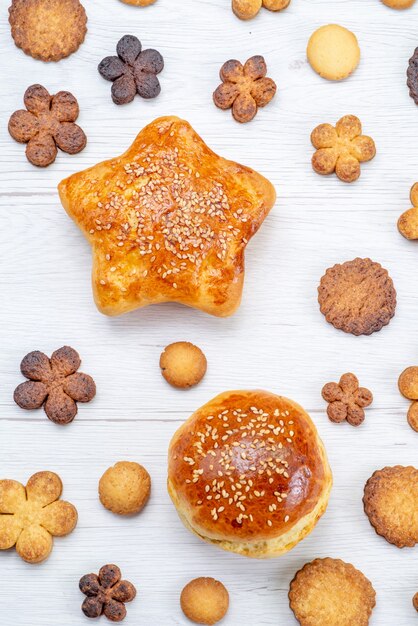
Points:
(278, 340)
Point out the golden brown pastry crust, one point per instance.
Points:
(49, 30)
(413, 416)
(408, 221)
(391, 504)
(125, 488)
(169, 220)
(248, 473)
(330, 592)
(204, 601)
(399, 4)
(139, 3)
(183, 364)
(31, 516)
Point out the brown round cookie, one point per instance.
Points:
(49, 30)
(124, 488)
(183, 364)
(412, 76)
(408, 383)
(415, 601)
(391, 504)
(413, 416)
(204, 601)
(330, 592)
(357, 296)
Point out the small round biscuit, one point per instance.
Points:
(139, 3)
(204, 601)
(413, 416)
(124, 488)
(330, 592)
(391, 504)
(333, 52)
(399, 4)
(415, 601)
(408, 383)
(183, 364)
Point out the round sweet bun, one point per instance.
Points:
(248, 473)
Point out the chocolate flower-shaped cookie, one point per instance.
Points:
(133, 71)
(341, 149)
(31, 516)
(47, 124)
(56, 383)
(244, 88)
(106, 593)
(347, 400)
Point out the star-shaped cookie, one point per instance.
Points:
(168, 221)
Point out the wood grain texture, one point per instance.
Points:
(278, 340)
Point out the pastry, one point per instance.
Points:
(412, 76)
(168, 221)
(30, 516)
(133, 71)
(247, 9)
(244, 88)
(341, 149)
(54, 383)
(357, 296)
(47, 124)
(415, 601)
(125, 488)
(333, 52)
(408, 386)
(399, 4)
(49, 30)
(330, 592)
(391, 504)
(248, 473)
(106, 594)
(183, 364)
(347, 400)
(408, 222)
(204, 601)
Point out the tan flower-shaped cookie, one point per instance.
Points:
(47, 124)
(31, 516)
(341, 149)
(347, 400)
(408, 222)
(247, 9)
(244, 88)
(56, 383)
(408, 386)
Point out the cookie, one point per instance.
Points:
(183, 364)
(106, 594)
(391, 504)
(333, 52)
(408, 222)
(247, 9)
(330, 592)
(347, 400)
(204, 601)
(415, 601)
(46, 125)
(408, 383)
(399, 4)
(133, 71)
(54, 383)
(125, 488)
(139, 3)
(412, 76)
(412, 416)
(48, 30)
(357, 296)
(31, 516)
(341, 149)
(244, 88)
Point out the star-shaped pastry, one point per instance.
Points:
(168, 221)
